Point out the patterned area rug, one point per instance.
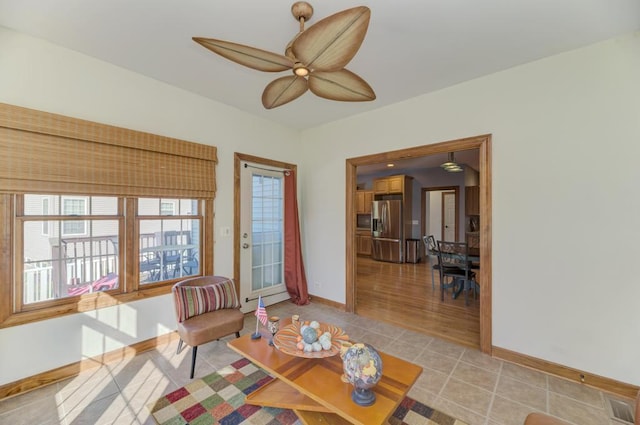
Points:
(219, 399)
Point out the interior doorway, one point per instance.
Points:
(448, 217)
(439, 210)
(483, 144)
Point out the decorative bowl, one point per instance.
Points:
(286, 340)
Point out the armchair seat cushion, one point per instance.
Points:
(210, 326)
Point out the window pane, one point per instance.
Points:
(73, 228)
(267, 231)
(169, 249)
(74, 206)
(35, 204)
(167, 206)
(148, 206)
(43, 204)
(104, 205)
(61, 266)
(188, 207)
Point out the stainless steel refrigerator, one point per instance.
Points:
(387, 231)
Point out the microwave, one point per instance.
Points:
(363, 221)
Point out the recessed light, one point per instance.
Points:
(391, 165)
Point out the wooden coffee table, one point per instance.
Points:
(312, 388)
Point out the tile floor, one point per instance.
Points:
(460, 381)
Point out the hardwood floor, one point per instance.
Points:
(401, 294)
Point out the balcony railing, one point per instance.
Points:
(78, 265)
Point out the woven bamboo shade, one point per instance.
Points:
(43, 152)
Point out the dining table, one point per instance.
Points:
(166, 257)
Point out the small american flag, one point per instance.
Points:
(261, 312)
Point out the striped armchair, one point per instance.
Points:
(207, 309)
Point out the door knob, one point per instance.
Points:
(245, 245)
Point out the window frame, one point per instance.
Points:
(129, 286)
(21, 218)
(175, 169)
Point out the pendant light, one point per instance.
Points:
(451, 165)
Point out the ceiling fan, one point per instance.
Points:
(317, 56)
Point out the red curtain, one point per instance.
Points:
(294, 276)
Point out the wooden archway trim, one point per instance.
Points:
(483, 144)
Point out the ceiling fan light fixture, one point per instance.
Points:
(300, 70)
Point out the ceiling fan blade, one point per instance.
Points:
(332, 42)
(283, 90)
(342, 85)
(245, 55)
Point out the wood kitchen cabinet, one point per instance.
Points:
(390, 185)
(472, 200)
(472, 211)
(363, 201)
(363, 243)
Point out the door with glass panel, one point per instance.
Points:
(261, 236)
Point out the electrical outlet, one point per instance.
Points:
(317, 284)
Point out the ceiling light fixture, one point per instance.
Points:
(300, 70)
(451, 165)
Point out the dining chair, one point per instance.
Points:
(430, 252)
(150, 268)
(207, 309)
(455, 264)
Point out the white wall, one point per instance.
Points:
(42, 76)
(566, 142)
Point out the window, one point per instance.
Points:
(81, 228)
(169, 247)
(81, 257)
(167, 208)
(75, 207)
(66, 262)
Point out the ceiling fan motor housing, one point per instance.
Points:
(302, 9)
